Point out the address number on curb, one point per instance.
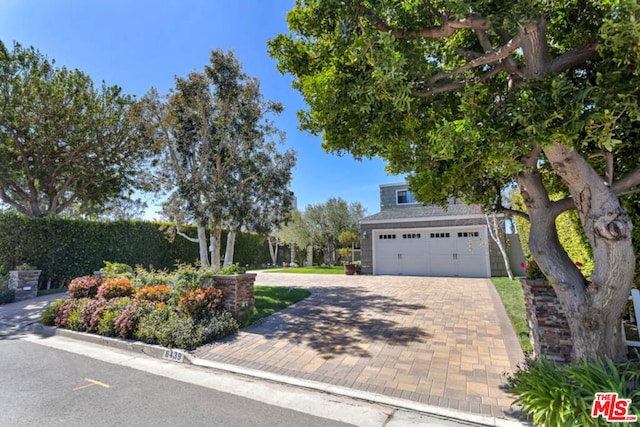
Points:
(173, 355)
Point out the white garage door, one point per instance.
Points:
(432, 252)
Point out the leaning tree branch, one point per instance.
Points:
(627, 182)
(560, 206)
(450, 24)
(608, 173)
(575, 57)
(514, 212)
(491, 57)
(456, 85)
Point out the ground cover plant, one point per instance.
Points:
(180, 312)
(512, 297)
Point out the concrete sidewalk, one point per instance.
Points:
(443, 342)
(17, 316)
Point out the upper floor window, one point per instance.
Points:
(404, 197)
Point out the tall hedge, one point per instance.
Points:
(66, 248)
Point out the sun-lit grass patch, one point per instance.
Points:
(512, 297)
(271, 299)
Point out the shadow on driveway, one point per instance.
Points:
(342, 320)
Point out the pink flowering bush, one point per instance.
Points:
(84, 287)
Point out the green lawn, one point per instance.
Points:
(271, 299)
(338, 269)
(513, 300)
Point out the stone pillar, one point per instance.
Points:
(237, 293)
(24, 283)
(548, 328)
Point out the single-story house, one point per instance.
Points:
(408, 238)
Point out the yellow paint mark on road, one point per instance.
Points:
(91, 384)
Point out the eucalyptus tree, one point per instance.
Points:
(65, 144)
(469, 97)
(219, 160)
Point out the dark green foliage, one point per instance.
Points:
(6, 295)
(563, 396)
(66, 248)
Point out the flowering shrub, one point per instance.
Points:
(84, 287)
(200, 303)
(69, 313)
(532, 270)
(159, 293)
(91, 314)
(127, 323)
(116, 287)
(50, 312)
(109, 314)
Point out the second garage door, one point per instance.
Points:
(432, 252)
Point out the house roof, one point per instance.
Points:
(426, 213)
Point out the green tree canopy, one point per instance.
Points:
(219, 160)
(63, 142)
(471, 97)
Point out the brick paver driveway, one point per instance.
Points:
(438, 341)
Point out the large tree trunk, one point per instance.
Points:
(216, 240)
(230, 249)
(593, 309)
(202, 242)
(274, 243)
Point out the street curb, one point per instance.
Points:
(159, 352)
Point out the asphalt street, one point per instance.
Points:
(50, 387)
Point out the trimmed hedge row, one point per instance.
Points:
(67, 248)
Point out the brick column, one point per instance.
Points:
(237, 293)
(548, 328)
(24, 283)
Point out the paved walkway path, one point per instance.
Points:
(439, 341)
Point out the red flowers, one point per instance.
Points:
(578, 264)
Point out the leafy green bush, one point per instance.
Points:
(64, 310)
(564, 395)
(117, 269)
(232, 269)
(167, 327)
(216, 327)
(49, 313)
(116, 287)
(84, 287)
(170, 328)
(151, 277)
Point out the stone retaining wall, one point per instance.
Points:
(548, 328)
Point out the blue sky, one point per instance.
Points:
(139, 44)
